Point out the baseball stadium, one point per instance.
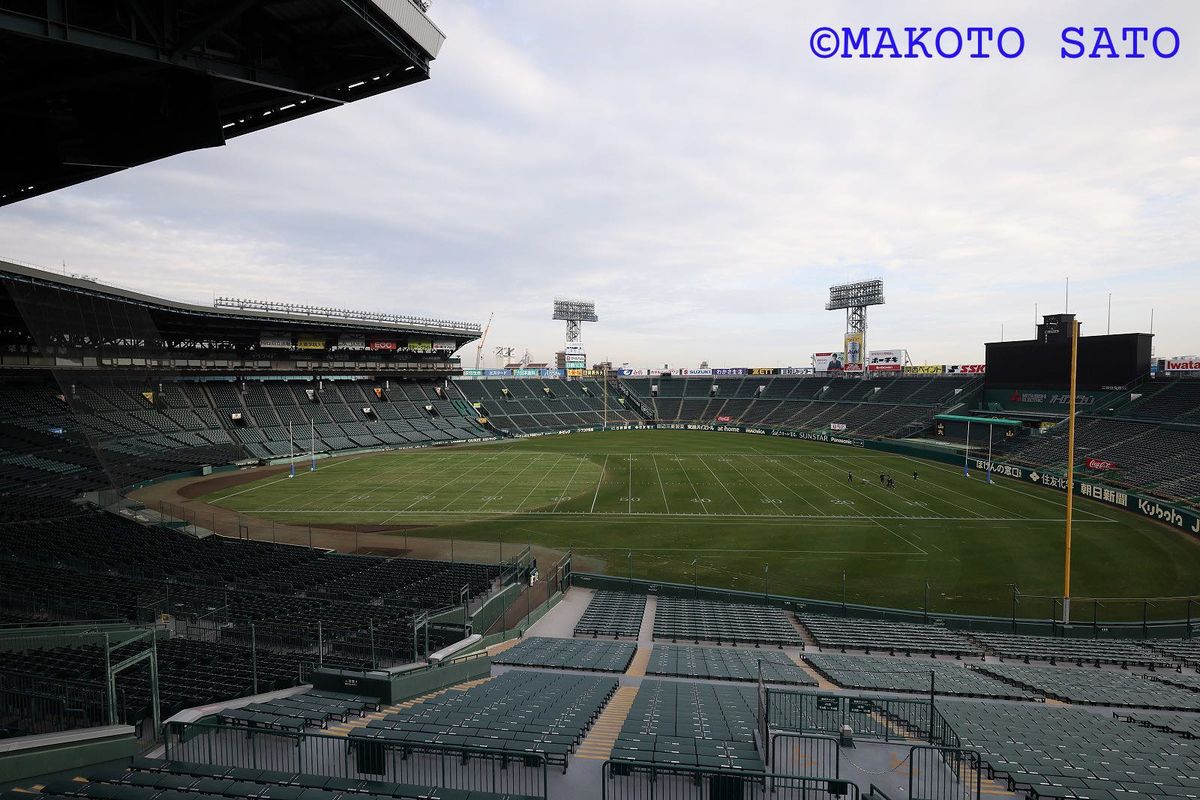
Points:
(259, 549)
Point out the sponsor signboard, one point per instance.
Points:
(854, 347)
(352, 341)
(381, 344)
(1183, 364)
(497, 373)
(447, 345)
(829, 362)
(1043, 398)
(420, 345)
(796, 371)
(763, 371)
(631, 373)
(729, 371)
(886, 360)
(574, 349)
(923, 369)
(574, 373)
(310, 343)
(279, 340)
(472, 373)
(525, 372)
(966, 369)
(837, 426)
(697, 371)
(724, 419)
(1100, 464)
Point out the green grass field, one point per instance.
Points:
(735, 503)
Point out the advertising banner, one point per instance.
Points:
(280, 340)
(497, 373)
(966, 369)
(923, 369)
(525, 373)
(631, 373)
(764, 371)
(310, 343)
(837, 426)
(796, 371)
(447, 345)
(729, 371)
(575, 349)
(420, 345)
(352, 341)
(724, 419)
(854, 348)
(695, 372)
(574, 373)
(551, 373)
(472, 373)
(1183, 364)
(1100, 463)
(381, 344)
(886, 360)
(829, 362)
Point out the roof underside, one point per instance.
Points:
(90, 87)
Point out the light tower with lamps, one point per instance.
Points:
(855, 297)
(575, 313)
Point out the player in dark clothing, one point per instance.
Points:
(914, 476)
(850, 477)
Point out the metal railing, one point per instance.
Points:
(428, 764)
(644, 780)
(814, 756)
(33, 704)
(944, 773)
(889, 719)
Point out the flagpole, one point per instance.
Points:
(1070, 474)
(989, 471)
(312, 445)
(291, 454)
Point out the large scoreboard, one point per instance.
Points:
(1113, 360)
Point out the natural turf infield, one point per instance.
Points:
(735, 503)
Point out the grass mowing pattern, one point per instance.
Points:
(735, 503)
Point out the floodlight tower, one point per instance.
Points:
(575, 313)
(855, 297)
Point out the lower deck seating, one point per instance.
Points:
(1092, 686)
(726, 664)
(705, 620)
(871, 634)
(1057, 648)
(613, 614)
(152, 779)
(595, 656)
(516, 712)
(909, 675)
(690, 724)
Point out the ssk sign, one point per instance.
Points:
(1100, 463)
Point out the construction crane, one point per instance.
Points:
(482, 339)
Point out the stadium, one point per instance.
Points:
(262, 549)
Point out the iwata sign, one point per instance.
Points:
(1183, 364)
(1100, 463)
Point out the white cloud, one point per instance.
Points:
(692, 168)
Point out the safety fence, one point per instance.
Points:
(37, 704)
(643, 780)
(944, 773)
(888, 719)
(473, 769)
(814, 756)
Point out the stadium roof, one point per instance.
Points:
(91, 87)
(33, 297)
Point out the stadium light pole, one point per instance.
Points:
(291, 454)
(1070, 474)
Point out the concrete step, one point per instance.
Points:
(598, 744)
(641, 659)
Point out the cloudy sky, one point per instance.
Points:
(695, 170)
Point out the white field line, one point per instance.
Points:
(629, 494)
(860, 492)
(424, 477)
(1004, 483)
(723, 486)
(420, 495)
(272, 483)
(873, 519)
(564, 492)
(706, 515)
(401, 473)
(661, 487)
(538, 485)
(699, 500)
(775, 478)
(915, 487)
(506, 484)
(599, 483)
